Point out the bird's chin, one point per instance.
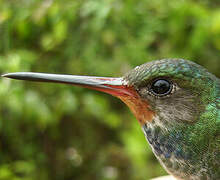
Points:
(140, 108)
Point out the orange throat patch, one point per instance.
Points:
(139, 108)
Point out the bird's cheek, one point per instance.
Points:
(140, 108)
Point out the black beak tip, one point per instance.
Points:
(12, 75)
(4, 75)
(8, 75)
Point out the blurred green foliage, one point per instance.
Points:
(51, 131)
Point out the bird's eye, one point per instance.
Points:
(161, 87)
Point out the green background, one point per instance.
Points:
(59, 132)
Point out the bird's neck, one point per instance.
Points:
(166, 147)
(186, 150)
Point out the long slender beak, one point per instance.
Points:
(114, 86)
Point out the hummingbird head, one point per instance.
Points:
(174, 91)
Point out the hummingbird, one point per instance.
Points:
(177, 104)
